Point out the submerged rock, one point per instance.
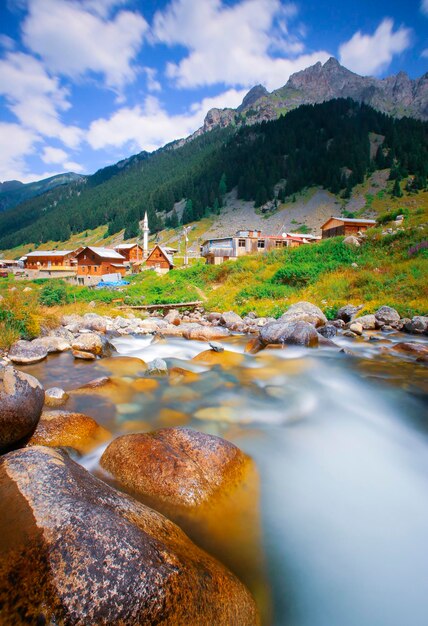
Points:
(85, 554)
(293, 333)
(55, 396)
(21, 402)
(412, 348)
(69, 430)
(304, 312)
(205, 484)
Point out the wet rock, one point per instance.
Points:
(217, 347)
(21, 402)
(173, 317)
(202, 482)
(348, 312)
(52, 344)
(356, 327)
(88, 342)
(177, 331)
(304, 312)
(225, 359)
(95, 322)
(206, 333)
(84, 553)
(349, 333)
(157, 367)
(231, 320)
(338, 324)
(85, 356)
(368, 322)
(418, 325)
(328, 331)
(214, 316)
(412, 348)
(292, 333)
(24, 352)
(69, 430)
(387, 315)
(351, 242)
(55, 396)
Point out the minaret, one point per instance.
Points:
(145, 236)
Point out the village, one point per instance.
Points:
(98, 266)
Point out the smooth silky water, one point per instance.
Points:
(337, 532)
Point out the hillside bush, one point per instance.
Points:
(53, 293)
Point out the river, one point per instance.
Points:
(340, 444)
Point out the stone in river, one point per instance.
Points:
(387, 315)
(157, 367)
(368, 322)
(417, 325)
(225, 359)
(216, 346)
(304, 312)
(205, 484)
(69, 430)
(85, 356)
(206, 333)
(348, 312)
(328, 331)
(25, 352)
(292, 333)
(55, 396)
(21, 403)
(75, 551)
(412, 348)
(52, 343)
(88, 342)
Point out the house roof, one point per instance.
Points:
(53, 253)
(104, 253)
(164, 252)
(349, 220)
(117, 265)
(126, 246)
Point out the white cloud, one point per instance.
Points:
(59, 157)
(15, 144)
(424, 53)
(149, 127)
(74, 38)
(152, 83)
(372, 54)
(424, 7)
(36, 98)
(232, 44)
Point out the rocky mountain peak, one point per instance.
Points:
(252, 96)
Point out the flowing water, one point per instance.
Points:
(340, 444)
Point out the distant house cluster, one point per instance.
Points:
(245, 242)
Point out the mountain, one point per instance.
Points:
(397, 95)
(333, 145)
(13, 192)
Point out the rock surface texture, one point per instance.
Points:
(21, 402)
(85, 554)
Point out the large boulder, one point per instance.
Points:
(413, 349)
(206, 333)
(21, 402)
(368, 322)
(52, 343)
(418, 325)
(231, 320)
(304, 312)
(348, 312)
(69, 430)
(76, 551)
(351, 242)
(25, 352)
(88, 342)
(387, 315)
(202, 482)
(291, 333)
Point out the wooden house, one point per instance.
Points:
(132, 252)
(52, 260)
(337, 226)
(245, 242)
(93, 263)
(160, 260)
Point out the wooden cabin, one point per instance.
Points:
(245, 242)
(339, 226)
(160, 260)
(52, 260)
(94, 263)
(133, 252)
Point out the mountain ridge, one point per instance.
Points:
(13, 192)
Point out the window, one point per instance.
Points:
(260, 244)
(241, 243)
(280, 243)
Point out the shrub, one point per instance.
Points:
(53, 293)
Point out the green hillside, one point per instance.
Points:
(324, 145)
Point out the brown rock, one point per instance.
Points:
(55, 396)
(21, 402)
(85, 356)
(85, 554)
(206, 333)
(413, 348)
(226, 359)
(88, 342)
(69, 430)
(205, 484)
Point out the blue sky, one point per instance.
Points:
(85, 83)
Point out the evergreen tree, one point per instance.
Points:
(396, 191)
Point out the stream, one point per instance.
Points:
(340, 442)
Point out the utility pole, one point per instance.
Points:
(186, 229)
